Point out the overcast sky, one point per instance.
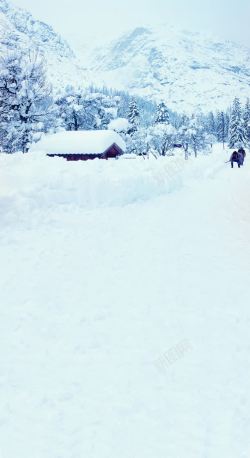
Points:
(99, 19)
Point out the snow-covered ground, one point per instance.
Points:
(124, 316)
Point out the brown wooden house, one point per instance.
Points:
(82, 145)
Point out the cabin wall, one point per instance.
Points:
(111, 153)
(77, 157)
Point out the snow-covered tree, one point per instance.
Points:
(133, 117)
(197, 136)
(24, 100)
(246, 123)
(236, 131)
(211, 124)
(192, 137)
(222, 127)
(162, 138)
(119, 125)
(84, 110)
(71, 110)
(162, 114)
(210, 139)
(138, 142)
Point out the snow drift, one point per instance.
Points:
(124, 330)
(34, 181)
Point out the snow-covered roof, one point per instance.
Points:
(80, 142)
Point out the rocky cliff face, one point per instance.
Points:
(185, 69)
(18, 29)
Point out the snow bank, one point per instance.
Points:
(29, 182)
(124, 330)
(80, 142)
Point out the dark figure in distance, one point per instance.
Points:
(236, 157)
(242, 152)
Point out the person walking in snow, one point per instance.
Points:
(236, 157)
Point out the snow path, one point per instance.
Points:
(125, 330)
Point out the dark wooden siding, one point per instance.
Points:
(77, 157)
(112, 152)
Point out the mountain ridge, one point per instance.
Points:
(18, 29)
(186, 69)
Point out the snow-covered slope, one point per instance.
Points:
(19, 29)
(124, 329)
(185, 69)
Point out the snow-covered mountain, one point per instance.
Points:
(18, 28)
(183, 68)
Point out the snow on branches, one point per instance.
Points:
(24, 100)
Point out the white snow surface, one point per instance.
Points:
(124, 308)
(79, 142)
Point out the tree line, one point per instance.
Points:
(29, 108)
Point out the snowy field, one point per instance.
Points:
(124, 308)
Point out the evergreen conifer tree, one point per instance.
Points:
(221, 127)
(236, 132)
(211, 124)
(162, 114)
(246, 122)
(133, 117)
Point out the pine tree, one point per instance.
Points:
(222, 127)
(162, 114)
(211, 128)
(236, 132)
(246, 122)
(133, 117)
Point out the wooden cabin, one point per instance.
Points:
(82, 145)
